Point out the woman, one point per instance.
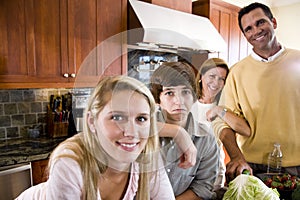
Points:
(210, 81)
(115, 156)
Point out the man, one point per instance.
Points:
(264, 88)
(173, 88)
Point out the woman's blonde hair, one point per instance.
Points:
(90, 155)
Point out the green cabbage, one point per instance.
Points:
(296, 193)
(245, 187)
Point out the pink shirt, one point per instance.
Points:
(66, 182)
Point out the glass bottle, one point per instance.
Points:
(275, 159)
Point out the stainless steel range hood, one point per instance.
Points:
(172, 29)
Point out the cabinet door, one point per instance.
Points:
(224, 16)
(44, 40)
(31, 47)
(39, 171)
(94, 39)
(81, 32)
(181, 5)
(13, 60)
(222, 20)
(111, 21)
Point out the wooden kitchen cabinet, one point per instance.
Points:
(30, 35)
(13, 59)
(181, 5)
(224, 17)
(39, 171)
(91, 24)
(45, 42)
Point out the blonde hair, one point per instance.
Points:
(90, 155)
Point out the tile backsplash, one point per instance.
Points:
(21, 109)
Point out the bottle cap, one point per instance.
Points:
(276, 144)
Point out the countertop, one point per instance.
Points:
(25, 150)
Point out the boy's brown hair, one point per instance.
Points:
(172, 74)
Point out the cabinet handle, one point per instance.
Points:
(73, 75)
(66, 75)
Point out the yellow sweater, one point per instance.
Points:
(268, 96)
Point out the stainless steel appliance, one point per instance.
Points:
(165, 28)
(14, 180)
(168, 33)
(79, 102)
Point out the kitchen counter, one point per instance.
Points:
(24, 150)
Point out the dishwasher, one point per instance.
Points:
(14, 180)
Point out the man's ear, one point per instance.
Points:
(274, 23)
(90, 122)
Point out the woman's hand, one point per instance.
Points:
(238, 124)
(212, 113)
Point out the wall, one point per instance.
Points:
(288, 25)
(21, 109)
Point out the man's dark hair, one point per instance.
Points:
(251, 7)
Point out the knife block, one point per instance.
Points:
(56, 129)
